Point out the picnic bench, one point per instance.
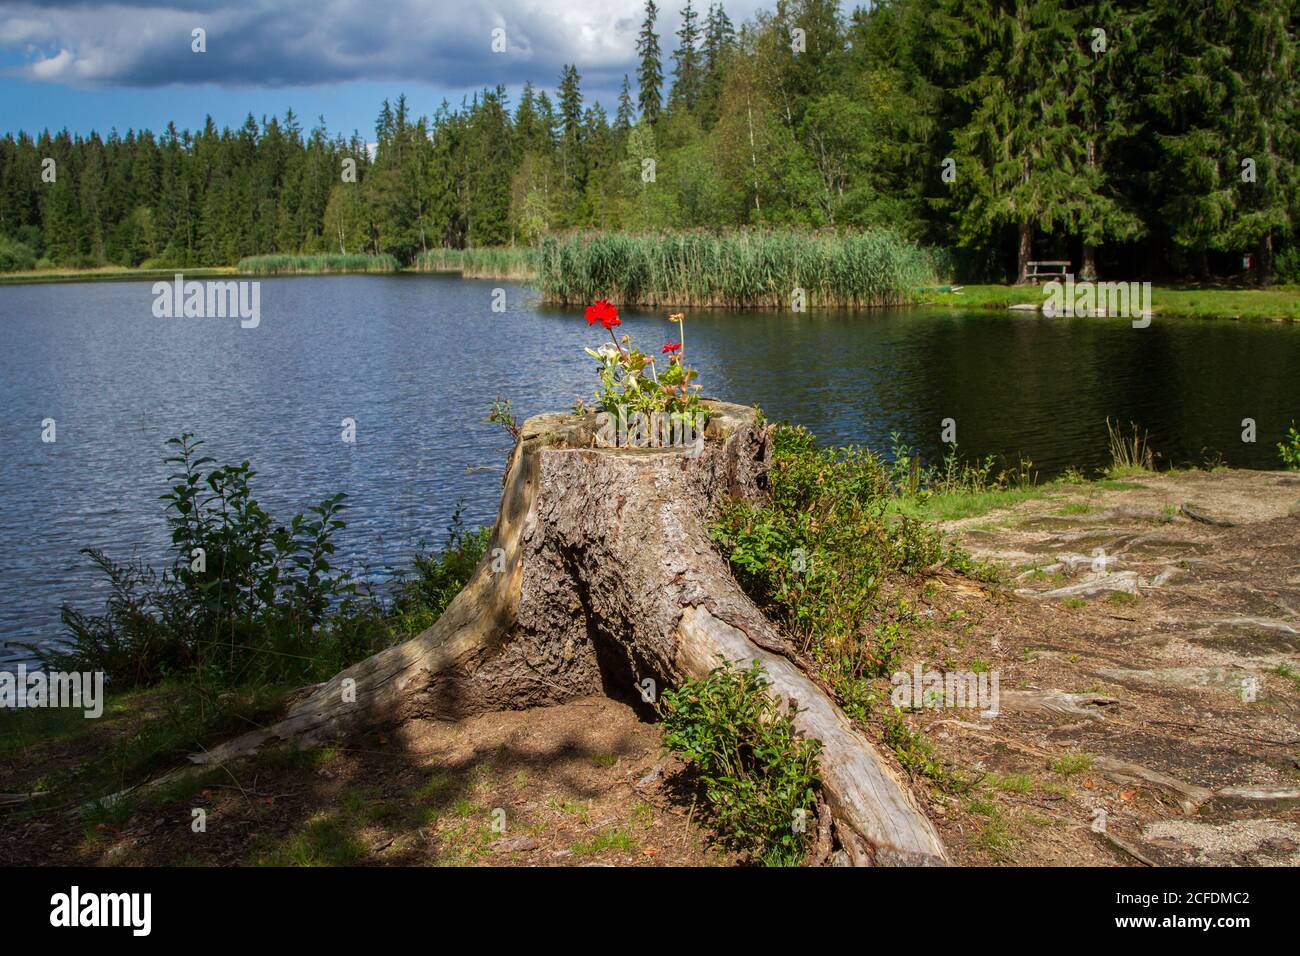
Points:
(1048, 269)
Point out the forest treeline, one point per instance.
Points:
(1153, 139)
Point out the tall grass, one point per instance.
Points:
(1130, 453)
(518, 263)
(734, 269)
(292, 265)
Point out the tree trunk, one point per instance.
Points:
(1264, 261)
(1025, 252)
(1088, 268)
(601, 574)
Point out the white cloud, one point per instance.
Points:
(264, 43)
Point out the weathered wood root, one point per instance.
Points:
(1195, 514)
(601, 574)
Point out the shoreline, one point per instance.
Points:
(1278, 304)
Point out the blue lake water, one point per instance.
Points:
(415, 360)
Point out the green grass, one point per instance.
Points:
(1070, 764)
(974, 503)
(616, 838)
(144, 732)
(1289, 673)
(109, 274)
(1280, 302)
(21, 729)
(955, 505)
(315, 264)
(572, 807)
(734, 269)
(326, 840)
(515, 263)
(995, 835)
(437, 790)
(1011, 783)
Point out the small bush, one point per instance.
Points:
(1289, 448)
(817, 556)
(15, 256)
(436, 577)
(760, 777)
(1287, 265)
(247, 600)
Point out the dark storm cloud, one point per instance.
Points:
(296, 42)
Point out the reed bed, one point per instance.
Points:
(518, 263)
(742, 269)
(296, 265)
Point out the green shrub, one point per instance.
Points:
(1287, 265)
(436, 577)
(247, 600)
(1289, 448)
(15, 256)
(759, 775)
(816, 557)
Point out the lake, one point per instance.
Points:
(415, 360)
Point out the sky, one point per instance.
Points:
(84, 66)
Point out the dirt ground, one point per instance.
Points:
(579, 784)
(1149, 667)
(1149, 713)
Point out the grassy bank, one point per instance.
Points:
(108, 274)
(1281, 303)
(314, 265)
(739, 269)
(513, 263)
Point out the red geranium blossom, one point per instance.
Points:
(604, 313)
(672, 347)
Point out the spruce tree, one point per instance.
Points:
(624, 118)
(650, 74)
(687, 78)
(719, 37)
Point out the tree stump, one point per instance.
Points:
(600, 574)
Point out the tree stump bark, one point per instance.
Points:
(600, 574)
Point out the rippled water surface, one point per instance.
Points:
(415, 360)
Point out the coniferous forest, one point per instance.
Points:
(1152, 139)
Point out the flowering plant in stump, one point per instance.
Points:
(630, 379)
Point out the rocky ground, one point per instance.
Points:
(1149, 659)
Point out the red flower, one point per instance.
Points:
(672, 347)
(604, 313)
